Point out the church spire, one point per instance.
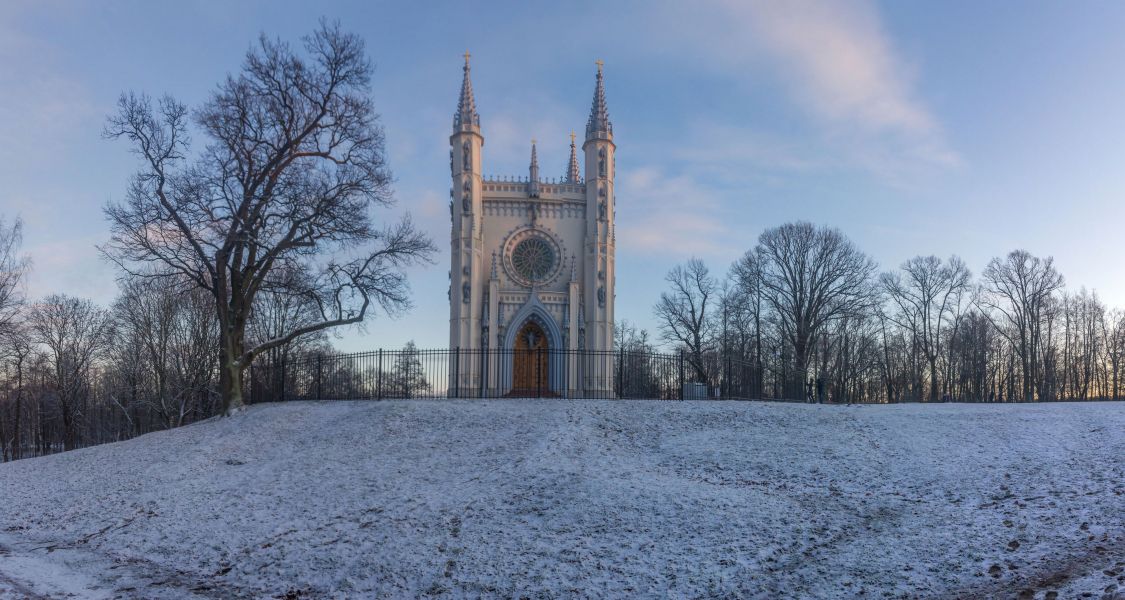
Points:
(572, 168)
(533, 180)
(599, 112)
(466, 106)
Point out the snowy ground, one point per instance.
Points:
(564, 498)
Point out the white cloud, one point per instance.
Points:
(841, 62)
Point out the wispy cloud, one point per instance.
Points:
(840, 67)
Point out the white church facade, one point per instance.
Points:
(532, 265)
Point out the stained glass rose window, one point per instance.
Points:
(534, 259)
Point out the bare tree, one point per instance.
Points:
(166, 347)
(1113, 331)
(1018, 293)
(16, 348)
(276, 311)
(13, 267)
(684, 313)
(811, 276)
(928, 294)
(74, 331)
(293, 165)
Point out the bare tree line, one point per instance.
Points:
(74, 374)
(811, 314)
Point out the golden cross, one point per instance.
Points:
(599, 63)
(532, 141)
(571, 138)
(467, 57)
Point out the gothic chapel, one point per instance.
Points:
(531, 265)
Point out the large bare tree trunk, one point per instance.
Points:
(230, 375)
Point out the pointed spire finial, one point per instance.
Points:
(572, 173)
(466, 114)
(533, 179)
(599, 124)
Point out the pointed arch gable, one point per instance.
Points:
(534, 309)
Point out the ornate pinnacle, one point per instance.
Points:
(533, 179)
(572, 173)
(598, 122)
(466, 107)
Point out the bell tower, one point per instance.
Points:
(466, 276)
(598, 288)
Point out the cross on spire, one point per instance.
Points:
(466, 106)
(598, 123)
(572, 175)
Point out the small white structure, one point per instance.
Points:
(694, 391)
(531, 263)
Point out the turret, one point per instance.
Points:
(599, 152)
(467, 271)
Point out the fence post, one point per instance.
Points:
(682, 382)
(457, 372)
(725, 385)
(319, 370)
(620, 379)
(379, 377)
(283, 365)
(482, 360)
(539, 372)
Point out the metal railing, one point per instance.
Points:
(498, 373)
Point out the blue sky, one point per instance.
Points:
(917, 128)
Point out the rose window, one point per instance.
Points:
(534, 259)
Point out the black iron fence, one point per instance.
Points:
(496, 373)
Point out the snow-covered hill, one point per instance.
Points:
(563, 498)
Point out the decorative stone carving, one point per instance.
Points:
(466, 157)
(466, 291)
(601, 296)
(601, 162)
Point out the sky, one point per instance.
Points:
(955, 127)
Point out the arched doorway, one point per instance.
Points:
(530, 361)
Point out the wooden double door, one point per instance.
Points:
(531, 362)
